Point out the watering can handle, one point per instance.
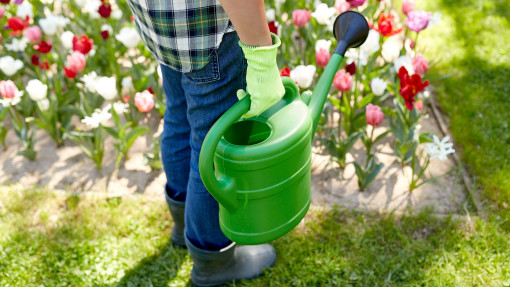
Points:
(223, 188)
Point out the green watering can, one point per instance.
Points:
(262, 165)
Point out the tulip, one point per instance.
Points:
(33, 34)
(356, 3)
(49, 25)
(407, 6)
(374, 115)
(342, 81)
(303, 75)
(144, 101)
(24, 10)
(417, 20)
(128, 36)
(301, 17)
(351, 68)
(76, 62)
(420, 64)
(105, 10)
(378, 86)
(404, 61)
(285, 72)
(106, 87)
(322, 57)
(67, 39)
(36, 90)
(43, 104)
(342, 6)
(43, 47)
(9, 66)
(323, 14)
(8, 89)
(2, 11)
(418, 105)
(82, 44)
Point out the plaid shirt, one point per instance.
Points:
(182, 34)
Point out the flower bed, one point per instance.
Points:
(91, 78)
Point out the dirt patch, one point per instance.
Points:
(67, 168)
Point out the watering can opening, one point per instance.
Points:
(247, 132)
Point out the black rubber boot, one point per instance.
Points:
(177, 212)
(232, 263)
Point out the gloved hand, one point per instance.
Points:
(263, 81)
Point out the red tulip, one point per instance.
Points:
(35, 60)
(5, 1)
(69, 73)
(105, 34)
(351, 68)
(410, 86)
(386, 25)
(43, 47)
(82, 44)
(285, 72)
(105, 10)
(44, 65)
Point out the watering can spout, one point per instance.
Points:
(350, 30)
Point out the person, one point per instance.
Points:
(211, 53)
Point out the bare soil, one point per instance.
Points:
(67, 168)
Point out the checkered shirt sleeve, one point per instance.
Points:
(182, 34)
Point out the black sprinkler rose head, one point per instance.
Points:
(350, 30)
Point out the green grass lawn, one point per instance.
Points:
(471, 48)
(54, 239)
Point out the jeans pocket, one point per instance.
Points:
(209, 73)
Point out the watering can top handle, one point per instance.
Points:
(223, 188)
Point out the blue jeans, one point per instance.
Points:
(194, 102)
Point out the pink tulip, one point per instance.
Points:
(407, 6)
(301, 17)
(374, 115)
(417, 20)
(144, 101)
(33, 34)
(322, 57)
(356, 3)
(76, 62)
(418, 105)
(8, 89)
(342, 81)
(420, 64)
(2, 11)
(342, 6)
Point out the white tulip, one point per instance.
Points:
(439, 148)
(270, 15)
(119, 107)
(97, 118)
(9, 65)
(61, 20)
(24, 10)
(128, 36)
(44, 104)
(323, 14)
(404, 61)
(49, 25)
(378, 86)
(67, 39)
(17, 45)
(361, 55)
(106, 87)
(117, 14)
(303, 75)
(322, 44)
(90, 81)
(36, 90)
(92, 7)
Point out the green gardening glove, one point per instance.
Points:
(263, 81)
